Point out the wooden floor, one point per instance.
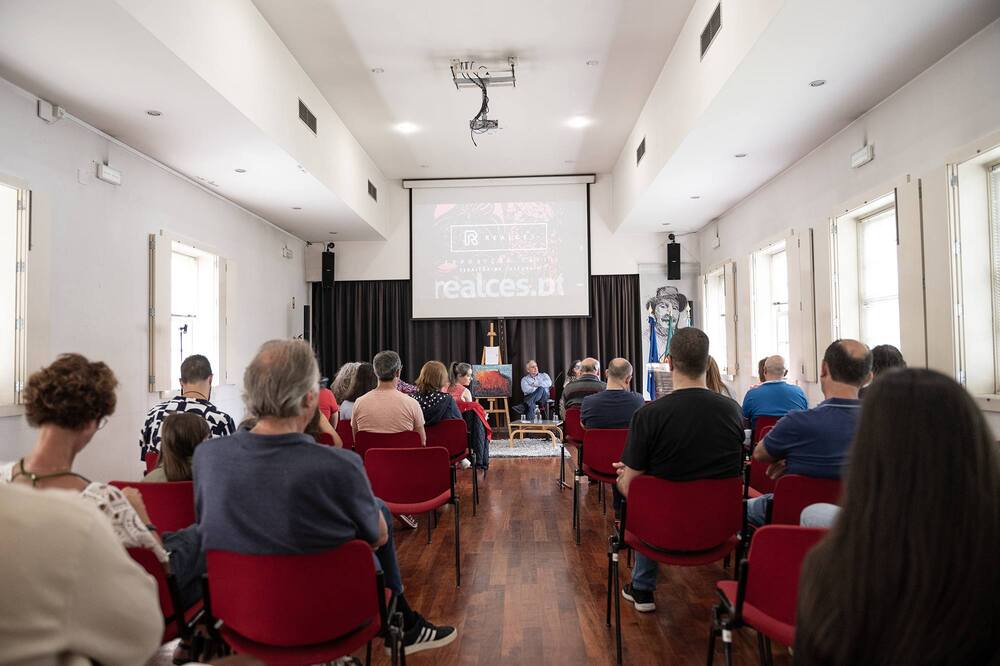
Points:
(530, 595)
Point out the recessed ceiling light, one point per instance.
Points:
(154, 113)
(406, 128)
(696, 196)
(296, 207)
(569, 161)
(377, 70)
(593, 63)
(817, 83)
(578, 122)
(666, 224)
(425, 166)
(240, 170)
(740, 154)
(333, 233)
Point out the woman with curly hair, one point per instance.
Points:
(68, 402)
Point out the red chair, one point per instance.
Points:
(415, 480)
(297, 609)
(346, 434)
(602, 448)
(453, 434)
(325, 439)
(573, 432)
(152, 457)
(794, 492)
(174, 623)
(385, 440)
(684, 523)
(170, 505)
(761, 425)
(760, 482)
(764, 597)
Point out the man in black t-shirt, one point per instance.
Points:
(692, 433)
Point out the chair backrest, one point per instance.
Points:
(602, 447)
(573, 426)
(294, 600)
(170, 505)
(345, 432)
(684, 515)
(776, 555)
(452, 434)
(409, 476)
(325, 439)
(147, 560)
(761, 425)
(759, 480)
(385, 440)
(794, 492)
(152, 457)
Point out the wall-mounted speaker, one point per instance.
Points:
(328, 270)
(306, 323)
(673, 260)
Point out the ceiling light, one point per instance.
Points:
(406, 128)
(296, 207)
(740, 155)
(666, 224)
(377, 70)
(593, 63)
(817, 83)
(240, 170)
(425, 166)
(696, 196)
(154, 113)
(569, 161)
(578, 122)
(333, 233)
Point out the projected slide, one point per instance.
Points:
(511, 251)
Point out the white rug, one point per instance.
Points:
(524, 448)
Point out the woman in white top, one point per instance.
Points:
(69, 401)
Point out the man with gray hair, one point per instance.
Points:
(775, 397)
(587, 383)
(249, 485)
(614, 407)
(386, 409)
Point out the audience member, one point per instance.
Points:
(70, 592)
(614, 407)
(244, 501)
(432, 396)
(461, 377)
(385, 409)
(535, 386)
(884, 357)
(691, 433)
(180, 434)
(342, 381)
(775, 396)
(815, 442)
(363, 380)
(907, 575)
(572, 372)
(760, 374)
(713, 379)
(588, 383)
(328, 406)
(196, 392)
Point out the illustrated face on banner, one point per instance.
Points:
(670, 310)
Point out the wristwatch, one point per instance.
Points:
(151, 527)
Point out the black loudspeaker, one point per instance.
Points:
(306, 323)
(673, 261)
(328, 270)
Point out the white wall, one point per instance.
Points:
(88, 269)
(915, 131)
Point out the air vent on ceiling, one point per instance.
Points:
(307, 116)
(372, 191)
(640, 151)
(711, 29)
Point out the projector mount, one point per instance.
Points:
(470, 74)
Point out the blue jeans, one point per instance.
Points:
(385, 557)
(537, 396)
(644, 573)
(757, 510)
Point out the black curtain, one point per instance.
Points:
(357, 319)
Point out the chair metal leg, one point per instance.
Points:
(727, 643)
(713, 632)
(576, 506)
(429, 518)
(618, 607)
(611, 541)
(475, 483)
(368, 654)
(764, 650)
(604, 498)
(458, 544)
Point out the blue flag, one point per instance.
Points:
(654, 357)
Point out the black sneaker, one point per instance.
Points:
(408, 520)
(425, 636)
(643, 599)
(517, 409)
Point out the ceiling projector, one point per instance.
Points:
(471, 74)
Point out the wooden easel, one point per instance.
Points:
(496, 406)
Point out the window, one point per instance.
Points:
(14, 216)
(190, 283)
(770, 301)
(715, 316)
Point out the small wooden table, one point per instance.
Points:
(551, 429)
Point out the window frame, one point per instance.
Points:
(22, 267)
(863, 299)
(772, 247)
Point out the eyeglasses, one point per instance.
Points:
(103, 422)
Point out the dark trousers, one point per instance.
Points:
(539, 395)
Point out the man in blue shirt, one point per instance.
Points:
(815, 442)
(613, 407)
(273, 490)
(535, 386)
(775, 397)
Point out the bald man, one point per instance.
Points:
(614, 407)
(774, 397)
(816, 442)
(587, 383)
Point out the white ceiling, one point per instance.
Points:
(339, 42)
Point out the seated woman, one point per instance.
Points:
(68, 402)
(461, 377)
(363, 380)
(342, 380)
(713, 379)
(432, 394)
(572, 372)
(179, 434)
(907, 574)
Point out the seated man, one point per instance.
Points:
(689, 434)
(614, 407)
(774, 397)
(587, 383)
(386, 409)
(535, 385)
(249, 485)
(815, 442)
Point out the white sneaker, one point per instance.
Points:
(465, 464)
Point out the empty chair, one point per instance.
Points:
(170, 504)
(453, 434)
(765, 594)
(415, 480)
(602, 448)
(760, 482)
(794, 492)
(385, 440)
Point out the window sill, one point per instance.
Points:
(988, 403)
(11, 410)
